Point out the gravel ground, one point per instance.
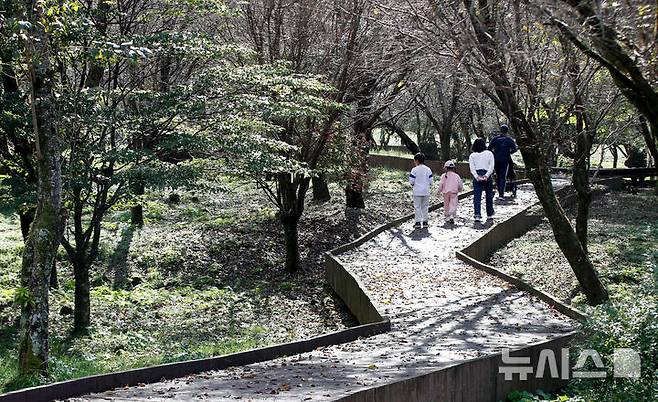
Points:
(442, 311)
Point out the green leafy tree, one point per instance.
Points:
(280, 124)
(129, 119)
(16, 135)
(126, 110)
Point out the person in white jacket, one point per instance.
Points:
(481, 163)
(420, 179)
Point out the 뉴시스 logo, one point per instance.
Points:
(626, 364)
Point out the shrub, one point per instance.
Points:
(632, 322)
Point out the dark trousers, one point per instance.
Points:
(478, 188)
(501, 176)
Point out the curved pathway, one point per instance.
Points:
(441, 310)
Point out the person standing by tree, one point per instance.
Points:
(481, 163)
(502, 147)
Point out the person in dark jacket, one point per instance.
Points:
(502, 147)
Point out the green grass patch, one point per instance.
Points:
(139, 328)
(195, 214)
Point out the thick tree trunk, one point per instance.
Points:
(82, 314)
(26, 216)
(291, 236)
(38, 260)
(444, 138)
(46, 230)
(320, 189)
(292, 193)
(137, 210)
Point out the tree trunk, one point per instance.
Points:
(54, 283)
(404, 138)
(320, 189)
(291, 235)
(292, 193)
(649, 135)
(582, 218)
(444, 138)
(468, 141)
(26, 216)
(82, 310)
(581, 181)
(82, 254)
(364, 121)
(354, 198)
(534, 154)
(357, 179)
(565, 236)
(137, 210)
(615, 156)
(583, 148)
(46, 230)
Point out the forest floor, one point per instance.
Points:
(623, 245)
(203, 277)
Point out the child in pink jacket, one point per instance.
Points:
(450, 186)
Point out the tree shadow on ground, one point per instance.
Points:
(333, 376)
(467, 319)
(119, 258)
(401, 236)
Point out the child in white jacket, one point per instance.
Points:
(420, 179)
